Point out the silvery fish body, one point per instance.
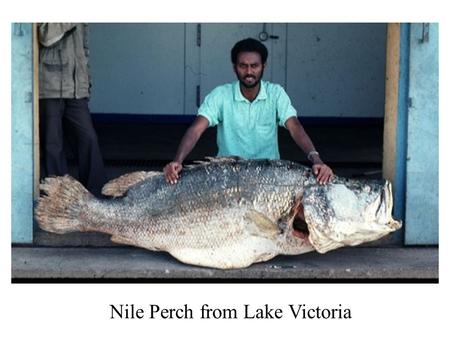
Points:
(225, 212)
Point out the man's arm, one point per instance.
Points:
(321, 170)
(188, 142)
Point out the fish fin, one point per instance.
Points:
(208, 160)
(200, 162)
(224, 159)
(59, 207)
(263, 223)
(119, 186)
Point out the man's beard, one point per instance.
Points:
(253, 85)
(249, 86)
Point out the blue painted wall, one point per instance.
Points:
(337, 69)
(422, 161)
(22, 133)
(137, 68)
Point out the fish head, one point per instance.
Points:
(348, 212)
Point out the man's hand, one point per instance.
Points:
(323, 172)
(171, 172)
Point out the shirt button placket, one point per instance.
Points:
(251, 117)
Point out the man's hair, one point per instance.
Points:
(249, 45)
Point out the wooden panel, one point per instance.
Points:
(391, 105)
(36, 160)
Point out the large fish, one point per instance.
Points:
(224, 212)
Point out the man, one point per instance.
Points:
(63, 101)
(247, 113)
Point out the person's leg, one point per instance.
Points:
(53, 159)
(90, 162)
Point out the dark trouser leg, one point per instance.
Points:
(91, 169)
(51, 131)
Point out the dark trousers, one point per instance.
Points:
(70, 119)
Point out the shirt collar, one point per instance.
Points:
(262, 95)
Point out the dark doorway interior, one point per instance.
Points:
(352, 150)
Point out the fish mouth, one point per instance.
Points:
(296, 222)
(299, 226)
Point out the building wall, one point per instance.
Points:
(337, 70)
(329, 70)
(137, 68)
(22, 133)
(422, 161)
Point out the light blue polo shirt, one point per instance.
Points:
(247, 129)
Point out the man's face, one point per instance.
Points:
(249, 69)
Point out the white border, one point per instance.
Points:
(74, 310)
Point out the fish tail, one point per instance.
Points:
(61, 204)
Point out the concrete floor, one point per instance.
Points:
(133, 263)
